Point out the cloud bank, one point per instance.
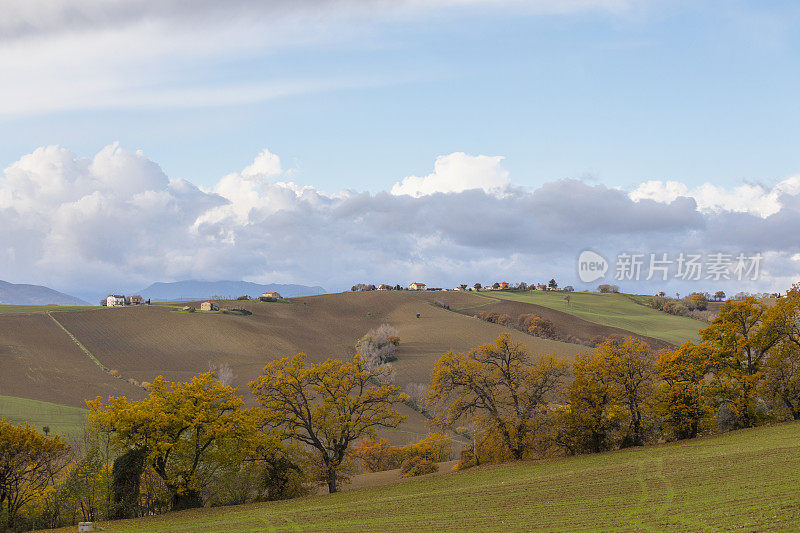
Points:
(116, 221)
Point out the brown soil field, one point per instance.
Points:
(39, 361)
(565, 324)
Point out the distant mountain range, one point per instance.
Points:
(22, 294)
(198, 290)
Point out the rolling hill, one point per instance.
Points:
(744, 480)
(64, 356)
(613, 310)
(23, 294)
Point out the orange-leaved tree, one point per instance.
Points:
(327, 406)
(741, 337)
(682, 398)
(185, 430)
(499, 389)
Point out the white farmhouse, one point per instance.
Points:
(115, 300)
(417, 287)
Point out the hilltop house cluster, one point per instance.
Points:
(496, 286)
(120, 300)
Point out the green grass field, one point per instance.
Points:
(747, 480)
(617, 310)
(42, 308)
(62, 419)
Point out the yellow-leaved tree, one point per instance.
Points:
(501, 390)
(29, 462)
(184, 430)
(327, 406)
(682, 398)
(741, 337)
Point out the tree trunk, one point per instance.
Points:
(332, 480)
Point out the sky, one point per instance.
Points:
(448, 141)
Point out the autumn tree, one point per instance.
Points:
(682, 399)
(630, 368)
(184, 430)
(741, 337)
(500, 388)
(29, 462)
(782, 365)
(591, 419)
(327, 406)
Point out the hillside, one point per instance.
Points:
(144, 342)
(613, 310)
(744, 480)
(23, 294)
(198, 290)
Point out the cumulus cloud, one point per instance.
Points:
(746, 198)
(115, 221)
(458, 172)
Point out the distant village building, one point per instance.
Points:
(384, 287)
(271, 295)
(115, 300)
(541, 287)
(136, 300)
(417, 287)
(209, 306)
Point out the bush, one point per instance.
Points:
(379, 345)
(608, 288)
(418, 466)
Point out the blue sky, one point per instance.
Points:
(329, 142)
(661, 90)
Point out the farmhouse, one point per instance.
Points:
(384, 287)
(115, 300)
(417, 287)
(541, 287)
(136, 300)
(271, 295)
(209, 306)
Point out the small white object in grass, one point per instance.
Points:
(85, 526)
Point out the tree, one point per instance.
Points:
(591, 418)
(499, 388)
(719, 296)
(327, 406)
(631, 369)
(552, 284)
(607, 288)
(741, 337)
(782, 377)
(29, 462)
(696, 301)
(682, 397)
(379, 345)
(186, 430)
(477, 286)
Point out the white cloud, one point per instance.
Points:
(745, 198)
(457, 172)
(117, 222)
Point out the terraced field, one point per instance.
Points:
(744, 481)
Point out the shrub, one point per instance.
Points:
(379, 345)
(418, 466)
(115, 373)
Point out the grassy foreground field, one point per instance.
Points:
(746, 481)
(62, 419)
(615, 310)
(6, 308)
